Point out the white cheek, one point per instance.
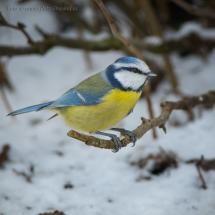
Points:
(130, 80)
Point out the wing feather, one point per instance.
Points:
(88, 92)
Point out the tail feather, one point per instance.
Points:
(30, 108)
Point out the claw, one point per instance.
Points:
(133, 138)
(117, 143)
(114, 138)
(128, 133)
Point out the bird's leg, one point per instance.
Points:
(124, 132)
(114, 138)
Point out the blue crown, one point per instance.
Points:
(124, 63)
(128, 59)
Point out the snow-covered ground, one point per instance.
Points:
(78, 179)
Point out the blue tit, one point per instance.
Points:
(102, 100)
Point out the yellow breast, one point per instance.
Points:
(113, 108)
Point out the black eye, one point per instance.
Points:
(136, 70)
(133, 69)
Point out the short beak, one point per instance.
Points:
(151, 75)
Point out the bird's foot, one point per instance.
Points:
(117, 143)
(124, 132)
(114, 138)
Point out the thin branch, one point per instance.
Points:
(5, 100)
(4, 84)
(41, 47)
(115, 31)
(26, 175)
(192, 9)
(154, 25)
(205, 100)
(19, 27)
(205, 164)
(146, 93)
(201, 177)
(53, 213)
(4, 154)
(189, 43)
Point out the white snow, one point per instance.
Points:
(191, 27)
(104, 182)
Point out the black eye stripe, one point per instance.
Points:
(134, 70)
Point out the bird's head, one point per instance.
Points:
(128, 73)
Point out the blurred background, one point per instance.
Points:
(47, 47)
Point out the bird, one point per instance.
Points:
(102, 100)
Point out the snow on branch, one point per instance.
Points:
(49, 41)
(206, 100)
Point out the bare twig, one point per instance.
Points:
(5, 100)
(4, 84)
(201, 177)
(146, 92)
(159, 162)
(4, 154)
(53, 213)
(184, 44)
(115, 31)
(26, 175)
(51, 41)
(192, 9)
(19, 27)
(156, 29)
(206, 100)
(4, 79)
(205, 164)
(189, 43)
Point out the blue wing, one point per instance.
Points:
(74, 98)
(89, 92)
